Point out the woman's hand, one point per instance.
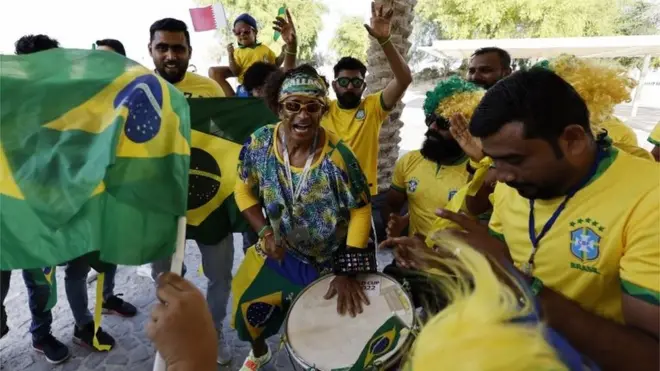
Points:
(350, 295)
(409, 252)
(271, 248)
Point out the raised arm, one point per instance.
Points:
(380, 29)
(290, 49)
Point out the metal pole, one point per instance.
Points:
(640, 85)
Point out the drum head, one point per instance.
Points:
(319, 337)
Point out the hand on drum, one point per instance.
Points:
(350, 295)
(476, 235)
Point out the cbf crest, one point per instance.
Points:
(360, 114)
(585, 239)
(412, 185)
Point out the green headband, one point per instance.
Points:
(303, 85)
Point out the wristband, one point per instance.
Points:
(263, 230)
(287, 52)
(351, 261)
(386, 41)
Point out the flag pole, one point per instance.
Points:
(177, 267)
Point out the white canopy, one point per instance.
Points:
(586, 47)
(544, 48)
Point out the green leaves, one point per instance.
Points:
(476, 19)
(351, 39)
(306, 16)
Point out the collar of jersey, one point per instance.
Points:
(605, 163)
(458, 161)
(241, 46)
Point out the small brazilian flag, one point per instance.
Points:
(94, 157)
(382, 342)
(220, 126)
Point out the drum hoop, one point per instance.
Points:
(397, 356)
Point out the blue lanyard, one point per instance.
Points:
(536, 239)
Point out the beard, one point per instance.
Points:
(438, 149)
(349, 100)
(172, 76)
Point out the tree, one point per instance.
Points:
(378, 77)
(477, 19)
(351, 39)
(306, 15)
(639, 18)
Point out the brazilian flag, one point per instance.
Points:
(94, 157)
(220, 126)
(383, 341)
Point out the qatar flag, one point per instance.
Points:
(208, 18)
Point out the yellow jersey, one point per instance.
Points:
(654, 137)
(196, 86)
(246, 56)
(360, 129)
(605, 243)
(427, 186)
(619, 132)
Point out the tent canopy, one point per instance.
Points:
(586, 47)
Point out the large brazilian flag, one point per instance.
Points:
(220, 126)
(94, 157)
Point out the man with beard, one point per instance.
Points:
(427, 179)
(170, 49)
(358, 121)
(488, 66)
(576, 216)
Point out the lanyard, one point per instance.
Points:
(295, 192)
(528, 267)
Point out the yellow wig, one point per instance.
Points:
(601, 84)
(451, 96)
(475, 331)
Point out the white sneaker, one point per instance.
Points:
(145, 271)
(253, 363)
(224, 351)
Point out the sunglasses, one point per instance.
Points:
(311, 107)
(440, 122)
(344, 81)
(244, 31)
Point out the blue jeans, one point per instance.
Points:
(75, 284)
(217, 261)
(37, 300)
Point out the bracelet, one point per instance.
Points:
(287, 52)
(386, 41)
(263, 230)
(351, 261)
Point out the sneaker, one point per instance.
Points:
(253, 363)
(50, 347)
(115, 305)
(145, 271)
(85, 337)
(224, 353)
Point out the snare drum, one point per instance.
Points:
(318, 338)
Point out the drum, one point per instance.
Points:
(318, 338)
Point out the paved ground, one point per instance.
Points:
(133, 351)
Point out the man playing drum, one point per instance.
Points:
(318, 207)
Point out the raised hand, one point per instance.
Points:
(381, 22)
(286, 28)
(470, 145)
